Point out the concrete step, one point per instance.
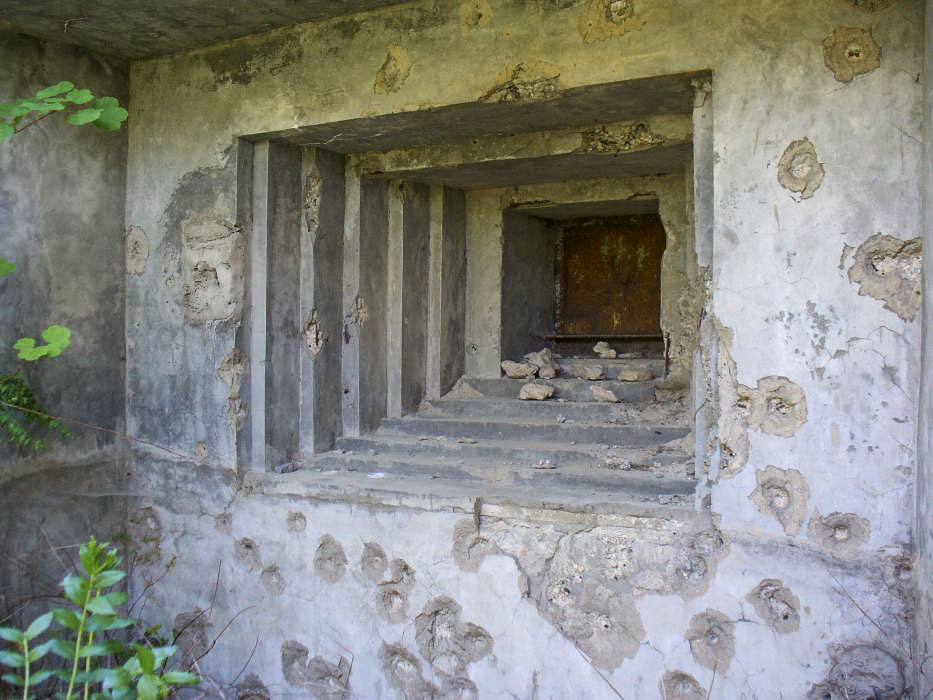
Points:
(527, 429)
(514, 453)
(570, 412)
(619, 483)
(565, 389)
(570, 365)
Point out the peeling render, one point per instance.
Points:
(888, 269)
(850, 51)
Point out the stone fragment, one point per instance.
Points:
(589, 372)
(784, 494)
(677, 685)
(536, 392)
(777, 605)
(842, 534)
(330, 561)
(544, 361)
(850, 51)
(373, 562)
(889, 270)
(603, 350)
(712, 640)
(799, 169)
(638, 374)
(603, 394)
(518, 370)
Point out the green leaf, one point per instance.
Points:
(109, 578)
(80, 97)
(112, 114)
(27, 350)
(85, 116)
(108, 647)
(6, 267)
(148, 687)
(40, 676)
(13, 679)
(11, 634)
(58, 338)
(103, 623)
(76, 589)
(66, 650)
(57, 89)
(180, 678)
(38, 626)
(146, 658)
(38, 652)
(163, 653)
(11, 658)
(116, 679)
(101, 605)
(6, 131)
(68, 618)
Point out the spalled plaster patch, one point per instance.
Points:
(526, 82)
(402, 669)
(321, 678)
(314, 337)
(137, 250)
(851, 51)
(330, 561)
(628, 137)
(213, 269)
(272, 579)
(446, 642)
(252, 688)
(373, 562)
(889, 269)
(677, 685)
(191, 635)
(311, 204)
(391, 597)
(606, 19)
(247, 552)
(231, 372)
(784, 494)
(870, 5)
(862, 671)
(776, 605)
(712, 640)
(474, 14)
(799, 169)
(223, 523)
(841, 534)
(394, 71)
(296, 522)
(144, 528)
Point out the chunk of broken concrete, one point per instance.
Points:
(536, 392)
(602, 394)
(518, 370)
(544, 361)
(589, 372)
(641, 374)
(604, 351)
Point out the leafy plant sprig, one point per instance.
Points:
(91, 659)
(103, 112)
(22, 418)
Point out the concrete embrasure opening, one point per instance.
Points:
(484, 304)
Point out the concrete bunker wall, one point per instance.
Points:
(790, 351)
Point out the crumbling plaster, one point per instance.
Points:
(776, 283)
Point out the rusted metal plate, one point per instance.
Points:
(609, 277)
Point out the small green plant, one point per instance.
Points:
(22, 419)
(82, 107)
(93, 663)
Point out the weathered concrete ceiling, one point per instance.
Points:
(142, 28)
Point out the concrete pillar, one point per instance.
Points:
(923, 615)
(446, 290)
(272, 318)
(395, 311)
(321, 299)
(365, 251)
(484, 284)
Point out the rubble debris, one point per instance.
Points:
(638, 374)
(518, 370)
(589, 372)
(544, 361)
(602, 394)
(536, 392)
(603, 350)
